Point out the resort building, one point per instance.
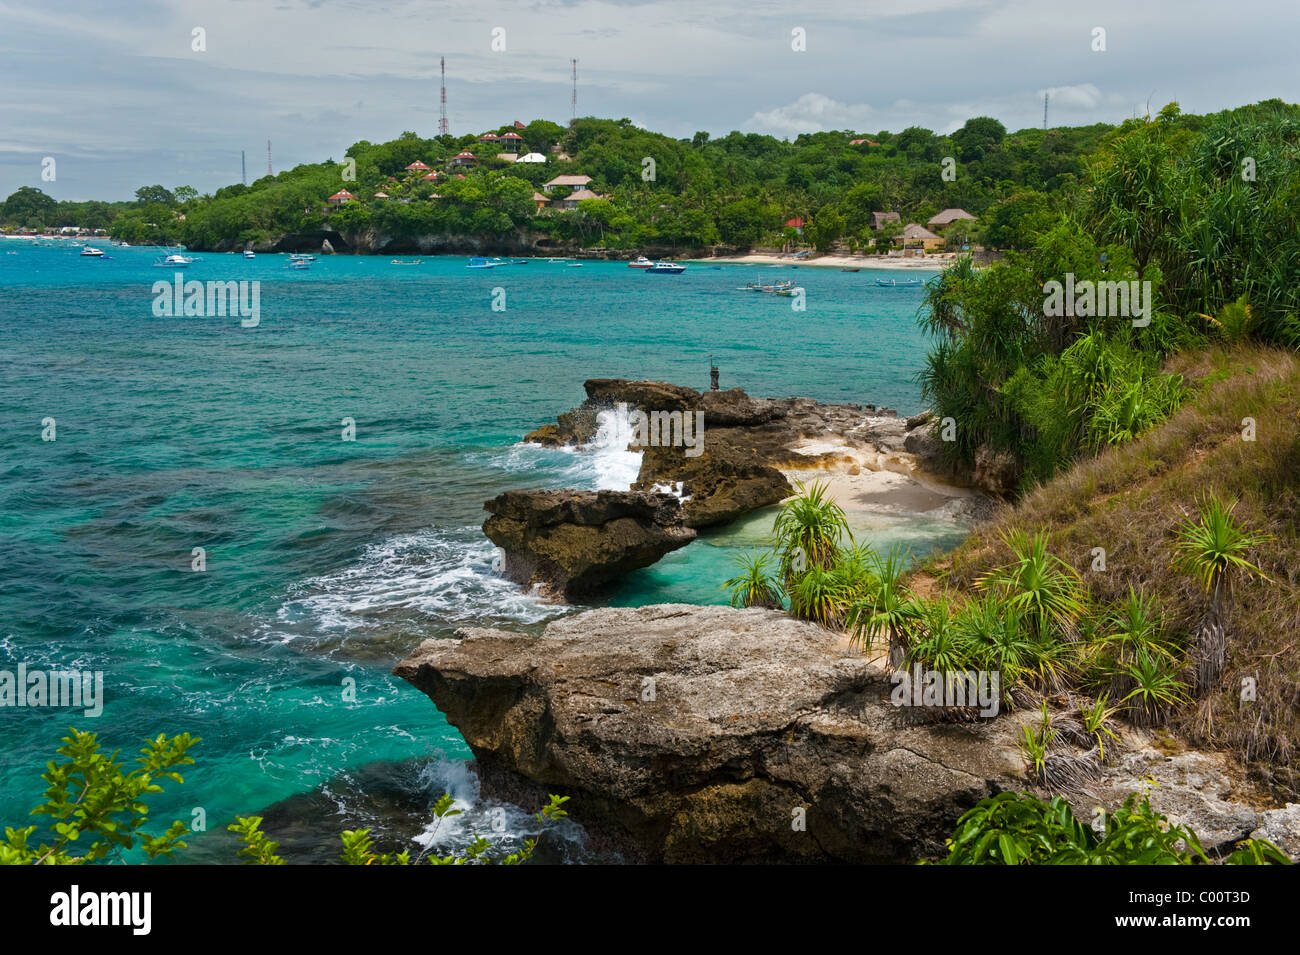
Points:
(430, 175)
(577, 182)
(506, 157)
(917, 237)
(463, 159)
(572, 199)
(878, 219)
(948, 217)
(512, 139)
(340, 197)
(381, 195)
(531, 157)
(540, 200)
(417, 166)
(489, 138)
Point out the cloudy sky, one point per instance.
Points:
(118, 96)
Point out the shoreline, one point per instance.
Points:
(930, 263)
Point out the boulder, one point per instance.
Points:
(574, 542)
(713, 735)
(927, 448)
(724, 482)
(997, 472)
(646, 395)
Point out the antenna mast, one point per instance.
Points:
(268, 158)
(443, 128)
(1045, 96)
(243, 168)
(575, 88)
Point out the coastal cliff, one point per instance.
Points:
(691, 734)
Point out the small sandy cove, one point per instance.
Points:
(866, 480)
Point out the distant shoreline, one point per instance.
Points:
(935, 263)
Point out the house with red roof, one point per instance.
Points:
(417, 166)
(463, 159)
(489, 138)
(340, 197)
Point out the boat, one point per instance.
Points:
(173, 260)
(517, 262)
(895, 283)
(250, 254)
(665, 268)
(640, 262)
(91, 252)
(556, 261)
(401, 262)
(479, 262)
(850, 270)
(573, 265)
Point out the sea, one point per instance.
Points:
(244, 525)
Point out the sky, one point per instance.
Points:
(123, 94)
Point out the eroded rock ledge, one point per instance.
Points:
(573, 542)
(692, 734)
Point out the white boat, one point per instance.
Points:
(92, 252)
(250, 254)
(172, 261)
(665, 268)
(640, 262)
(479, 262)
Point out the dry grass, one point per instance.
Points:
(1130, 499)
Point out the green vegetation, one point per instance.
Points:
(1020, 829)
(738, 190)
(1202, 208)
(1156, 526)
(95, 810)
(97, 813)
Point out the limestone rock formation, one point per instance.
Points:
(573, 542)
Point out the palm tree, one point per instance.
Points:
(1212, 549)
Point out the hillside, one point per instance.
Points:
(1130, 499)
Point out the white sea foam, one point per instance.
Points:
(433, 574)
(603, 464)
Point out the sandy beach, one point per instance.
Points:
(932, 263)
(864, 481)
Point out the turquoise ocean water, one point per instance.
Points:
(326, 559)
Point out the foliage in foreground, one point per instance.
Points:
(1020, 829)
(358, 846)
(97, 812)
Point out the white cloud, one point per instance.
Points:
(811, 113)
(1080, 96)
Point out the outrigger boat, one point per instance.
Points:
(400, 262)
(895, 283)
(776, 289)
(479, 262)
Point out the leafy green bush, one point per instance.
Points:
(1020, 829)
(96, 811)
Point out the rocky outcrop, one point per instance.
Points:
(746, 441)
(574, 542)
(997, 472)
(709, 734)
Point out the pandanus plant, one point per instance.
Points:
(1212, 549)
(888, 610)
(808, 531)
